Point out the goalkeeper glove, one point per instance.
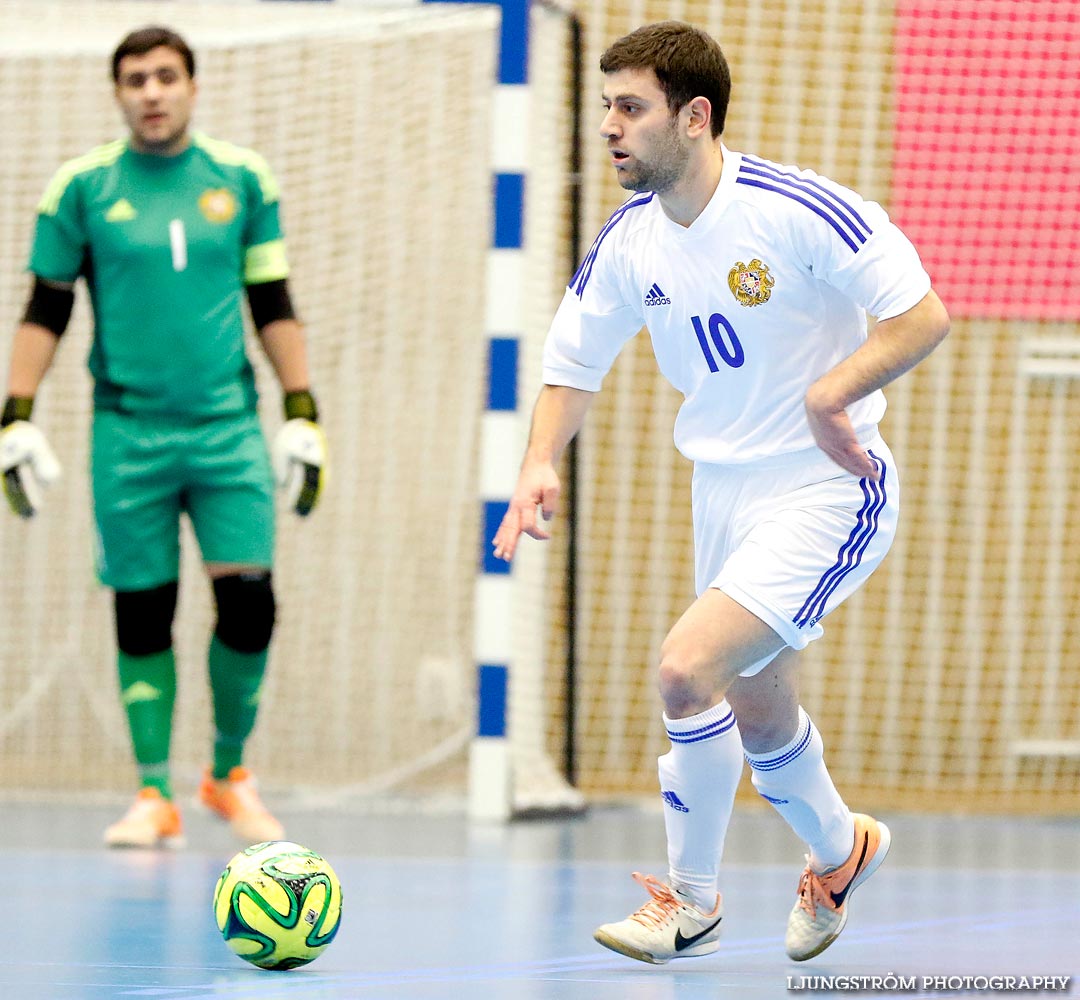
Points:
(27, 463)
(299, 453)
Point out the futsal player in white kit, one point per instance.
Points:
(755, 281)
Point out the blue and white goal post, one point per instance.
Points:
(511, 772)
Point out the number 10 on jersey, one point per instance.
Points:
(722, 335)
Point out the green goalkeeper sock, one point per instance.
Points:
(235, 682)
(148, 691)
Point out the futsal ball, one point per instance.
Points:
(278, 905)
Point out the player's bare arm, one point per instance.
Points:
(299, 450)
(37, 336)
(285, 346)
(557, 417)
(31, 356)
(893, 347)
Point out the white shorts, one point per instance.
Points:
(790, 538)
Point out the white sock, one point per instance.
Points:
(796, 781)
(698, 778)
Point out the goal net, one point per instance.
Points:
(950, 680)
(377, 125)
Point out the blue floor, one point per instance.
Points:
(436, 909)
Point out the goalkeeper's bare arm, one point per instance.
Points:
(299, 449)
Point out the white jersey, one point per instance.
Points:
(767, 290)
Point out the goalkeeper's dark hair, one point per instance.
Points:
(153, 36)
(688, 63)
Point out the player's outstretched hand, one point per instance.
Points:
(835, 436)
(537, 488)
(27, 464)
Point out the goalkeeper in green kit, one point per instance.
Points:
(171, 231)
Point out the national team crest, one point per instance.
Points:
(217, 204)
(751, 284)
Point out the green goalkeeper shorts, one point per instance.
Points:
(148, 470)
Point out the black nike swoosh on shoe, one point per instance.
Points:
(839, 897)
(681, 942)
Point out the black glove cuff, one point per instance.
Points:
(300, 405)
(16, 408)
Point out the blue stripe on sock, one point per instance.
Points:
(786, 758)
(712, 730)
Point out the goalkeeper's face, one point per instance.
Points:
(156, 96)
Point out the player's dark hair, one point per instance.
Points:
(688, 63)
(142, 40)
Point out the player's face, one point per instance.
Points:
(645, 140)
(156, 96)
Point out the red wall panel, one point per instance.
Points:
(987, 159)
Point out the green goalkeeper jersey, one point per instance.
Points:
(166, 246)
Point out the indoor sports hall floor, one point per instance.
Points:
(435, 908)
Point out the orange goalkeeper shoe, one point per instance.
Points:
(152, 821)
(236, 799)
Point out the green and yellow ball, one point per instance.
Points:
(278, 905)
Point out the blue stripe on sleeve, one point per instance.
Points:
(584, 272)
(798, 185)
(809, 182)
(802, 201)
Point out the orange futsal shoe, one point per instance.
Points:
(236, 799)
(152, 821)
(820, 912)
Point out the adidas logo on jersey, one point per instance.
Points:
(673, 800)
(655, 297)
(120, 212)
